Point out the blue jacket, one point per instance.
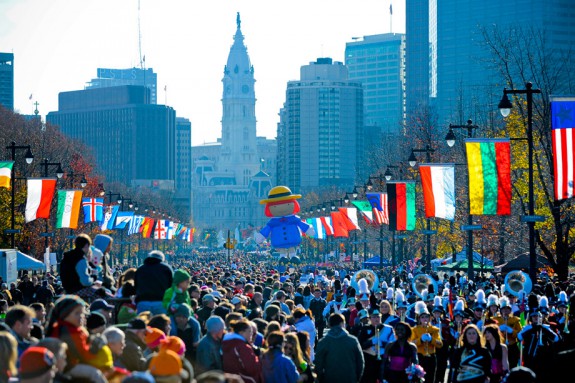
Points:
(279, 370)
(285, 231)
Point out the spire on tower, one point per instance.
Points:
(238, 21)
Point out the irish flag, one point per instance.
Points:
(438, 182)
(489, 167)
(5, 173)
(69, 203)
(401, 205)
(39, 199)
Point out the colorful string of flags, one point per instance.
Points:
(41, 192)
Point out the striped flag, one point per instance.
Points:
(350, 214)
(147, 227)
(401, 195)
(438, 183)
(69, 202)
(318, 228)
(365, 209)
(122, 219)
(379, 205)
(93, 209)
(5, 173)
(563, 137)
(489, 167)
(39, 199)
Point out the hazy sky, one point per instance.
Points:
(59, 44)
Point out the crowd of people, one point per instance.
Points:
(206, 319)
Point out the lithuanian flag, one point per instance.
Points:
(401, 205)
(5, 173)
(489, 167)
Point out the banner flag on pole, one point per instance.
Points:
(93, 209)
(339, 225)
(379, 205)
(438, 183)
(489, 169)
(147, 227)
(39, 199)
(5, 173)
(69, 202)
(563, 144)
(402, 213)
(109, 217)
(135, 224)
(350, 214)
(318, 228)
(326, 222)
(365, 209)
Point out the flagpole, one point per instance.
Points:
(29, 158)
(59, 174)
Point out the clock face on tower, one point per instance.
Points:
(245, 89)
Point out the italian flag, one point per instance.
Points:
(401, 205)
(438, 182)
(39, 199)
(5, 173)
(69, 203)
(489, 167)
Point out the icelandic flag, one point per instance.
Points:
(93, 209)
(122, 219)
(109, 217)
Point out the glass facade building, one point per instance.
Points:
(7, 80)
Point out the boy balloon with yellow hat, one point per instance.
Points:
(285, 227)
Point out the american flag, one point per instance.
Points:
(379, 206)
(563, 139)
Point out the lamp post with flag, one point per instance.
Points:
(505, 107)
(428, 232)
(59, 173)
(29, 158)
(369, 186)
(450, 138)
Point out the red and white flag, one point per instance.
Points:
(350, 214)
(39, 199)
(563, 140)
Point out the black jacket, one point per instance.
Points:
(152, 280)
(68, 274)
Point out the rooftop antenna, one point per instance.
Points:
(390, 17)
(140, 39)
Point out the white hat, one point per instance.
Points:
(421, 308)
(362, 287)
(389, 295)
(504, 302)
(384, 285)
(458, 308)
(492, 300)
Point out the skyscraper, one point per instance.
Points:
(107, 77)
(320, 134)
(228, 180)
(133, 142)
(378, 62)
(447, 58)
(7, 80)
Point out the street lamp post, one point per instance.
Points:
(412, 161)
(59, 173)
(505, 108)
(29, 158)
(450, 139)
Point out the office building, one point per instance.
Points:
(107, 77)
(449, 65)
(132, 141)
(320, 134)
(378, 63)
(7, 80)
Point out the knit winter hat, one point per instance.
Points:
(180, 275)
(103, 359)
(95, 320)
(153, 337)
(101, 242)
(35, 361)
(174, 344)
(166, 362)
(65, 305)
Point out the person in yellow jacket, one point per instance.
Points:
(426, 338)
(510, 326)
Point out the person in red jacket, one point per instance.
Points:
(238, 354)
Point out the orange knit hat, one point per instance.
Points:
(153, 337)
(173, 343)
(165, 363)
